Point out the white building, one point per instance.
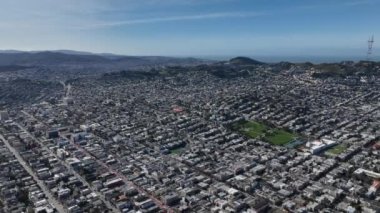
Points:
(315, 147)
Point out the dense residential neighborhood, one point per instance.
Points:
(235, 136)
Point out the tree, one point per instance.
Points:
(23, 197)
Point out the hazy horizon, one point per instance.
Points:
(264, 58)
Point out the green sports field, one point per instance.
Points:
(336, 150)
(279, 137)
(254, 129)
(251, 129)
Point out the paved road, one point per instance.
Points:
(159, 203)
(72, 171)
(46, 191)
(141, 190)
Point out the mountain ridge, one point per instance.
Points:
(32, 58)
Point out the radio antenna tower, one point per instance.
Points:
(370, 45)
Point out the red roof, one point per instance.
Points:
(376, 184)
(178, 109)
(377, 145)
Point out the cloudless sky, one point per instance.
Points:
(192, 27)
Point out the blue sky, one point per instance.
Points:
(192, 27)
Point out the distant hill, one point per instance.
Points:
(245, 61)
(24, 91)
(73, 52)
(10, 68)
(10, 51)
(68, 57)
(47, 58)
(344, 69)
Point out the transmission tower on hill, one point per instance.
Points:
(370, 45)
